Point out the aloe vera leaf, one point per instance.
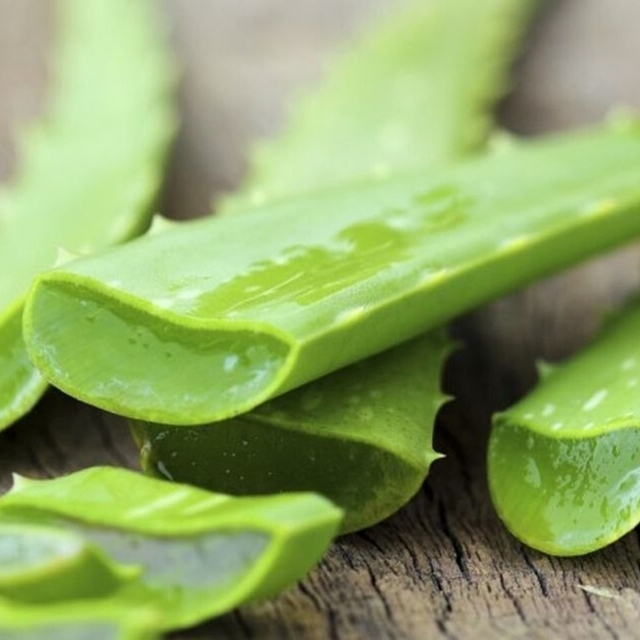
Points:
(564, 462)
(413, 91)
(361, 436)
(244, 312)
(90, 171)
(190, 554)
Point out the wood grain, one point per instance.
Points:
(443, 567)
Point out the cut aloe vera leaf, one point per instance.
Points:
(415, 90)
(208, 320)
(90, 171)
(564, 462)
(361, 436)
(190, 554)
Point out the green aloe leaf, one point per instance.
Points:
(412, 92)
(146, 547)
(208, 320)
(90, 171)
(361, 436)
(415, 90)
(564, 463)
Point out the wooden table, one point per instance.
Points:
(443, 567)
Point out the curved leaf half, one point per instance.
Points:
(564, 463)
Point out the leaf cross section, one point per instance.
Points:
(246, 312)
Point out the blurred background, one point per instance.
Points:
(243, 62)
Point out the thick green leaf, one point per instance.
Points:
(169, 551)
(564, 463)
(90, 171)
(208, 320)
(361, 436)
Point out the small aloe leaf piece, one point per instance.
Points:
(415, 90)
(564, 462)
(72, 621)
(245, 312)
(182, 553)
(361, 436)
(90, 171)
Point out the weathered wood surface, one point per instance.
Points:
(444, 567)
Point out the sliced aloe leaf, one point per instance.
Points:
(413, 91)
(90, 171)
(182, 554)
(208, 320)
(361, 436)
(564, 463)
